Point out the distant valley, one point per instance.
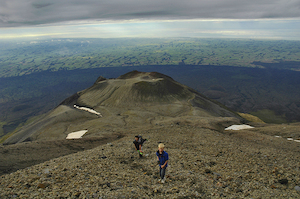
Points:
(23, 57)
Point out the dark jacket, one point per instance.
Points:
(137, 144)
(163, 158)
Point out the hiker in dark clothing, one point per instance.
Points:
(138, 143)
(162, 158)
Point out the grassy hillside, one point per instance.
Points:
(21, 58)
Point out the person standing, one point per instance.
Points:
(162, 159)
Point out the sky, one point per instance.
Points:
(256, 19)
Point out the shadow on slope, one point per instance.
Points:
(22, 155)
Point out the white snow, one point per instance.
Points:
(289, 139)
(88, 110)
(76, 135)
(239, 127)
(244, 126)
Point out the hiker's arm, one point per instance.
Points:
(162, 166)
(140, 147)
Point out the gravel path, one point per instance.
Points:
(203, 164)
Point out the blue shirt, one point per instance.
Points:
(162, 158)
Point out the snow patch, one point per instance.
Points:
(88, 110)
(239, 127)
(76, 135)
(244, 126)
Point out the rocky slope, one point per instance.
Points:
(204, 163)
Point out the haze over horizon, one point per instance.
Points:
(263, 19)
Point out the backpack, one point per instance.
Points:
(141, 140)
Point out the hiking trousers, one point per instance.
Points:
(162, 172)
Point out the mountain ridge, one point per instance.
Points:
(133, 99)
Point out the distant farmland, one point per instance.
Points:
(23, 58)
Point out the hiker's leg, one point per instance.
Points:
(140, 152)
(162, 172)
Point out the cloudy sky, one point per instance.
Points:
(271, 19)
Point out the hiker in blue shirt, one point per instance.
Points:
(162, 159)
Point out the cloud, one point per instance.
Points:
(15, 13)
(210, 28)
(41, 5)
